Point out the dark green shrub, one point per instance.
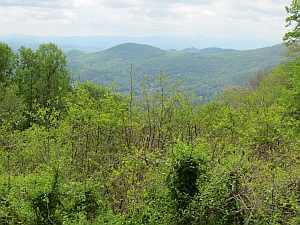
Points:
(203, 191)
(187, 169)
(87, 204)
(47, 206)
(182, 181)
(6, 215)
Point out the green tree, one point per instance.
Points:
(54, 78)
(43, 78)
(11, 107)
(7, 63)
(290, 91)
(293, 21)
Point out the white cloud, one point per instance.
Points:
(263, 19)
(49, 3)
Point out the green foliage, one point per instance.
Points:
(47, 205)
(218, 199)
(42, 78)
(87, 204)
(292, 21)
(93, 156)
(11, 107)
(203, 190)
(291, 91)
(7, 63)
(163, 103)
(187, 171)
(205, 73)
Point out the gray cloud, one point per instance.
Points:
(217, 18)
(153, 3)
(259, 6)
(39, 3)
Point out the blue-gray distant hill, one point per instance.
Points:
(208, 50)
(89, 44)
(207, 71)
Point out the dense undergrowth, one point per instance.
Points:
(87, 155)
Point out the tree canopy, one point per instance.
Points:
(7, 63)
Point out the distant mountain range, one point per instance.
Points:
(206, 70)
(97, 43)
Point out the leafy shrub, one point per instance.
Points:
(204, 191)
(47, 205)
(87, 204)
(187, 169)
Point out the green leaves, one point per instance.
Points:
(11, 107)
(293, 22)
(186, 168)
(7, 63)
(42, 78)
(157, 159)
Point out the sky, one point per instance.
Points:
(262, 20)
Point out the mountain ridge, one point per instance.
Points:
(207, 73)
(90, 44)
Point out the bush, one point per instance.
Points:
(187, 170)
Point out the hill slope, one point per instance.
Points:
(207, 73)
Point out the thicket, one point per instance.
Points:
(84, 154)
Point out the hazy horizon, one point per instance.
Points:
(236, 24)
(98, 43)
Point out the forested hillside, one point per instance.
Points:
(208, 71)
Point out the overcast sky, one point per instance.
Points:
(236, 19)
